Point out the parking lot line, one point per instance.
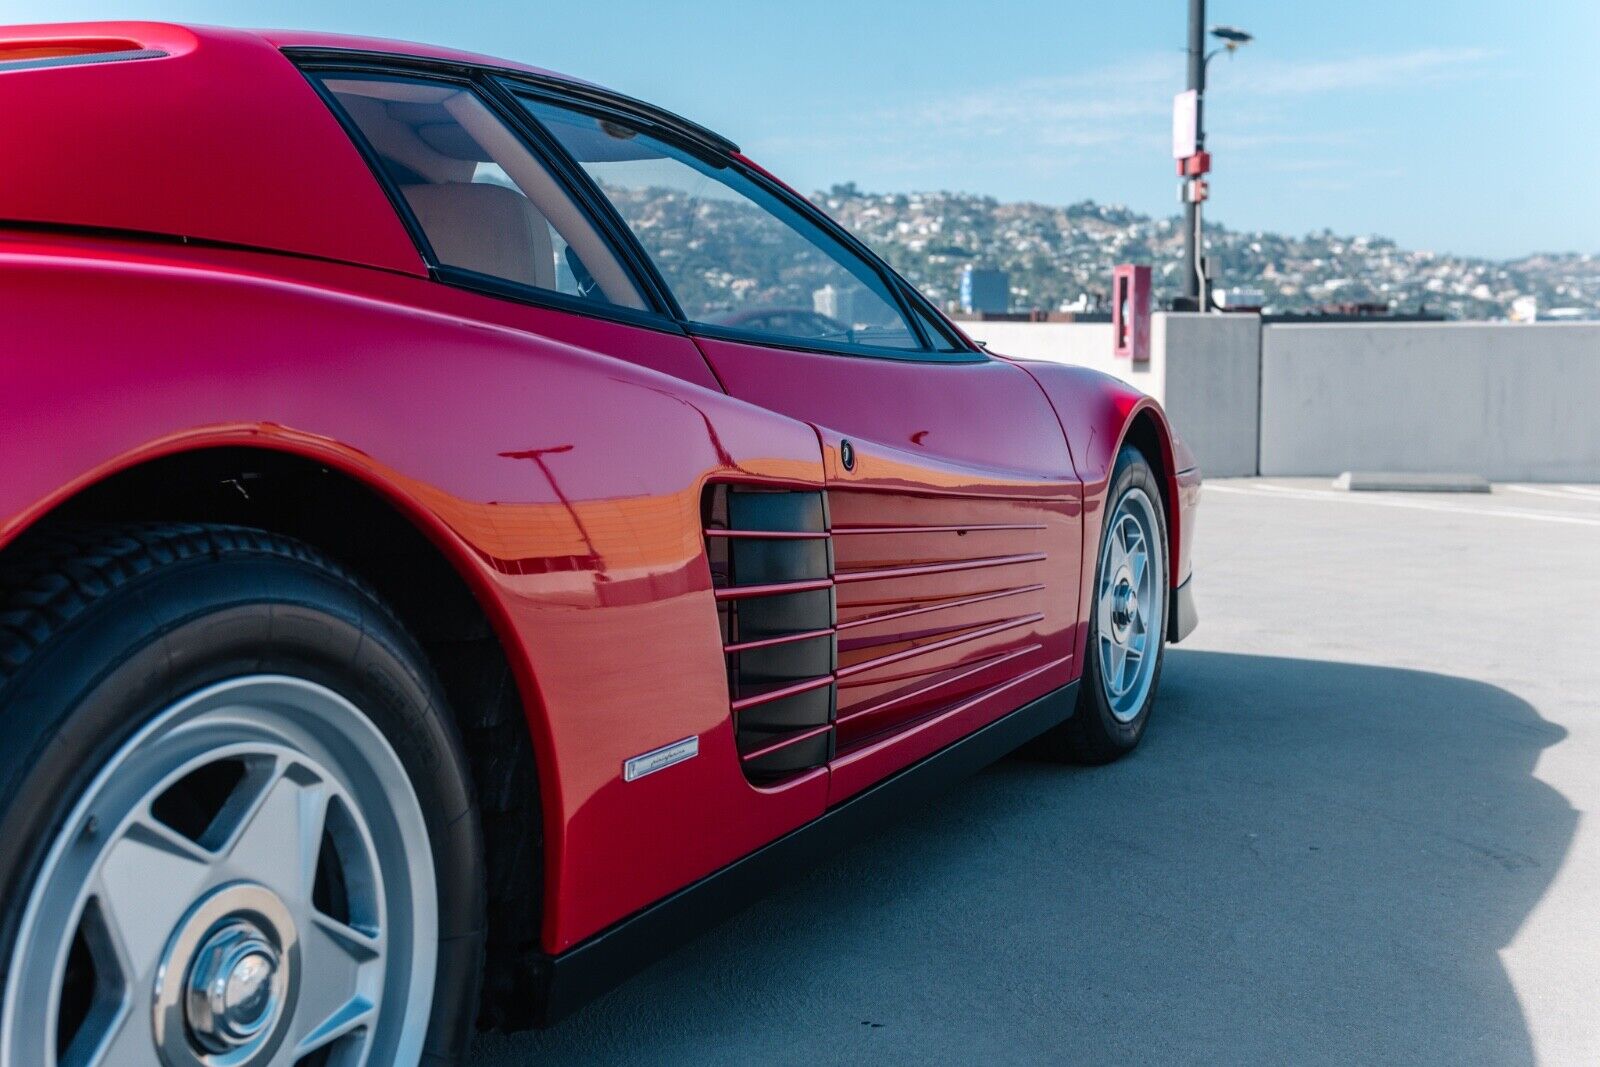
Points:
(1331, 496)
(1560, 492)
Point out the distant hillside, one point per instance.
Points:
(1057, 256)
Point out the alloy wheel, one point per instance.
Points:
(247, 881)
(1130, 604)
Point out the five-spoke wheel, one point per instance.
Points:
(1127, 621)
(241, 836)
(1129, 604)
(247, 881)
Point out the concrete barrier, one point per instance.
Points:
(1511, 402)
(1212, 386)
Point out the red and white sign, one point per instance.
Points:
(1130, 312)
(1195, 165)
(1185, 124)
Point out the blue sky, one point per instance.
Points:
(1462, 126)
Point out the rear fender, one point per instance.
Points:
(563, 485)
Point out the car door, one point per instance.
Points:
(953, 509)
(623, 622)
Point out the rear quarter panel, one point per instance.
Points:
(564, 485)
(221, 139)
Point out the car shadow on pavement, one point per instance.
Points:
(1306, 862)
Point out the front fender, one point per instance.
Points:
(1099, 414)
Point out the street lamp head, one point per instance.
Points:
(1231, 36)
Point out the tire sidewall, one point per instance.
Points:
(186, 626)
(1131, 472)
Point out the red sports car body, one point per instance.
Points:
(479, 335)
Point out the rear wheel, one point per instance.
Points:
(1127, 622)
(242, 824)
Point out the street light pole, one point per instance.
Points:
(1189, 146)
(1193, 246)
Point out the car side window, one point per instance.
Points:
(483, 201)
(735, 256)
(938, 334)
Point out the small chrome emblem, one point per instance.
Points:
(847, 454)
(660, 759)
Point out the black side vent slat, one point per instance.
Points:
(772, 564)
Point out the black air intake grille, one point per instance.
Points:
(772, 570)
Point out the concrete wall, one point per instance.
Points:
(1509, 402)
(1204, 369)
(1085, 344)
(1213, 386)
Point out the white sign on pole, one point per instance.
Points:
(1185, 124)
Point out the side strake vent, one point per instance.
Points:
(772, 570)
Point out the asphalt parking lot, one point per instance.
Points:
(1355, 833)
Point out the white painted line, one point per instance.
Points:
(1285, 492)
(1559, 492)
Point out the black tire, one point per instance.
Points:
(1094, 734)
(103, 626)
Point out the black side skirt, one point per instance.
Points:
(586, 971)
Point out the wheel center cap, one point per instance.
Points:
(248, 995)
(1124, 607)
(228, 981)
(230, 996)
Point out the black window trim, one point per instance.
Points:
(566, 87)
(758, 339)
(930, 311)
(901, 288)
(617, 107)
(657, 315)
(498, 87)
(581, 186)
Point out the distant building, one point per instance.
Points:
(1031, 316)
(1524, 309)
(985, 289)
(835, 303)
(1241, 299)
(1353, 309)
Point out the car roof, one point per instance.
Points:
(340, 42)
(207, 133)
(313, 42)
(172, 36)
(198, 133)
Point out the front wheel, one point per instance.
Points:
(1127, 622)
(238, 825)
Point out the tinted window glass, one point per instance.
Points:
(484, 202)
(938, 335)
(733, 254)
